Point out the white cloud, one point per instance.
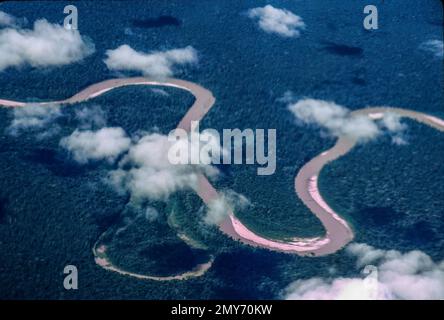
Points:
(392, 122)
(219, 208)
(399, 140)
(151, 214)
(90, 117)
(134, 212)
(337, 289)
(337, 120)
(106, 143)
(144, 171)
(156, 64)
(45, 45)
(147, 174)
(279, 21)
(287, 97)
(360, 127)
(412, 275)
(434, 46)
(7, 20)
(34, 117)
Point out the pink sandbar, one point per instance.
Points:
(102, 262)
(305, 245)
(376, 115)
(316, 195)
(436, 120)
(10, 103)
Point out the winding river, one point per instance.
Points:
(338, 231)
